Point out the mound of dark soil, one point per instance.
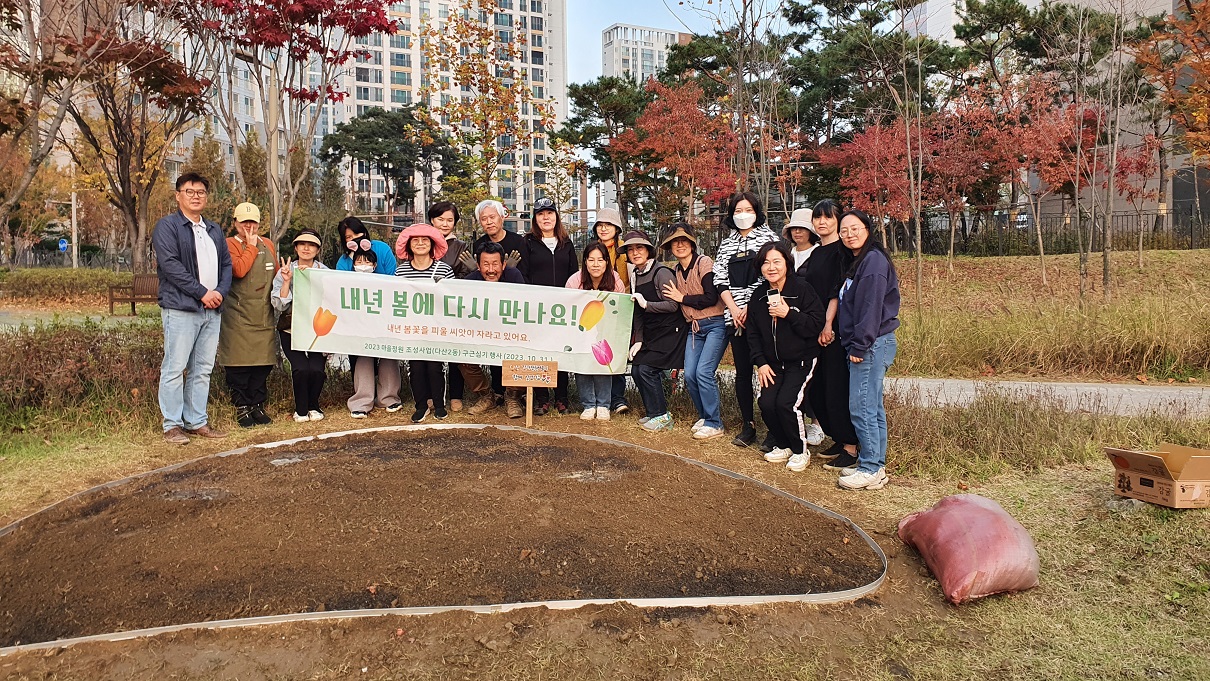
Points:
(410, 519)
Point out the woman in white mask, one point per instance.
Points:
(736, 277)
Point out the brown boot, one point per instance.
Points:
(514, 404)
(485, 403)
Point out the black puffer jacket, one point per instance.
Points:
(550, 269)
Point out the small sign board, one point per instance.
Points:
(62, 245)
(530, 374)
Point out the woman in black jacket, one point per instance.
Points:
(552, 260)
(784, 321)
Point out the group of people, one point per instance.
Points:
(811, 313)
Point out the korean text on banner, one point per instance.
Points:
(472, 322)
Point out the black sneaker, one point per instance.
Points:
(259, 415)
(561, 407)
(440, 413)
(746, 436)
(392, 408)
(831, 452)
(243, 416)
(768, 445)
(842, 461)
(621, 408)
(540, 409)
(419, 414)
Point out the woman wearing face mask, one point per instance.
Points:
(784, 319)
(552, 260)
(376, 381)
(736, 276)
(608, 230)
(307, 369)
(868, 314)
(694, 289)
(828, 392)
(659, 330)
(596, 274)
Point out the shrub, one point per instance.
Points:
(51, 283)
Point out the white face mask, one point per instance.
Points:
(744, 220)
(364, 268)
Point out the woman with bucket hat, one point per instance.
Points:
(308, 370)
(799, 232)
(659, 330)
(608, 230)
(552, 260)
(420, 248)
(694, 289)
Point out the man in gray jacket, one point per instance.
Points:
(194, 268)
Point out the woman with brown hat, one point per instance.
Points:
(707, 337)
(659, 341)
(420, 248)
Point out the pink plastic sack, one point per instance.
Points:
(973, 547)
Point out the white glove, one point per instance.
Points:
(634, 350)
(638, 298)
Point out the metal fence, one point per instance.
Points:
(118, 262)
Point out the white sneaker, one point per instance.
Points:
(301, 418)
(848, 470)
(708, 432)
(799, 462)
(862, 480)
(588, 414)
(778, 455)
(697, 425)
(814, 434)
(602, 413)
(316, 415)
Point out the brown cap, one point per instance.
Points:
(678, 234)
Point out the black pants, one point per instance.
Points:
(247, 384)
(455, 385)
(829, 394)
(308, 371)
(618, 395)
(427, 383)
(497, 373)
(742, 356)
(780, 403)
(542, 395)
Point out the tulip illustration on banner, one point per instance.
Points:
(602, 352)
(322, 323)
(592, 315)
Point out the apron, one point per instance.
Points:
(247, 335)
(663, 334)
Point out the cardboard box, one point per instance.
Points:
(1174, 476)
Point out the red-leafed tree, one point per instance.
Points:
(295, 52)
(687, 150)
(1137, 165)
(957, 143)
(1033, 133)
(874, 172)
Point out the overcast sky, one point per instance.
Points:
(587, 18)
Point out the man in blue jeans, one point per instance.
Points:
(194, 268)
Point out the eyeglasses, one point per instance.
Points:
(358, 244)
(194, 193)
(852, 230)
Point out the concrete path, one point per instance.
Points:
(1115, 398)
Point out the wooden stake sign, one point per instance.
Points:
(529, 375)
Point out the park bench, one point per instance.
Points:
(144, 289)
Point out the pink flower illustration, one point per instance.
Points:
(602, 352)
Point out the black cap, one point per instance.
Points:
(544, 203)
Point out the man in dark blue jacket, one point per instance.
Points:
(194, 268)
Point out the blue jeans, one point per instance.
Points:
(650, 382)
(617, 391)
(703, 350)
(595, 390)
(190, 344)
(865, 402)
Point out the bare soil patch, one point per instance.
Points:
(410, 519)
